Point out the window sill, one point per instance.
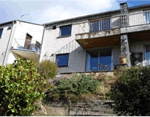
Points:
(63, 36)
(63, 66)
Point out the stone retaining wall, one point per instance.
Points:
(69, 75)
(94, 107)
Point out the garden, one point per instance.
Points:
(27, 87)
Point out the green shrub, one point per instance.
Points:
(131, 92)
(77, 85)
(47, 69)
(20, 87)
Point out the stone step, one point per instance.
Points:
(81, 113)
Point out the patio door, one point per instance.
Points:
(147, 54)
(99, 60)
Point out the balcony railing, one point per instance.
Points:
(109, 23)
(28, 45)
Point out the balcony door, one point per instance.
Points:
(99, 60)
(28, 40)
(147, 54)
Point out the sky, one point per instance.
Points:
(44, 11)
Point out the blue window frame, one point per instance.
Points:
(65, 30)
(1, 31)
(147, 54)
(62, 60)
(99, 60)
(147, 17)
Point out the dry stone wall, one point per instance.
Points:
(89, 108)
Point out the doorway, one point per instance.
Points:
(99, 60)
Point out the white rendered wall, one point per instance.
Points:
(52, 43)
(22, 28)
(4, 41)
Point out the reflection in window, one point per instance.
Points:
(1, 31)
(148, 55)
(65, 30)
(99, 60)
(62, 60)
(147, 17)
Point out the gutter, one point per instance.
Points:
(8, 43)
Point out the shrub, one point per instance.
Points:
(47, 69)
(20, 87)
(77, 85)
(131, 92)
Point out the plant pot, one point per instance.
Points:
(123, 60)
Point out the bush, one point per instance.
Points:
(77, 85)
(131, 92)
(47, 69)
(20, 87)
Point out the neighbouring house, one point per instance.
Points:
(20, 39)
(92, 43)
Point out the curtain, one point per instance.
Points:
(88, 62)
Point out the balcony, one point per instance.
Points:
(106, 31)
(28, 49)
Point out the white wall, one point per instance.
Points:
(52, 43)
(21, 29)
(136, 18)
(4, 40)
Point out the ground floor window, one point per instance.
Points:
(147, 54)
(62, 60)
(99, 60)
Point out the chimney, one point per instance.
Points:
(124, 14)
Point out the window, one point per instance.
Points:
(99, 60)
(100, 25)
(147, 17)
(65, 30)
(147, 54)
(1, 30)
(62, 60)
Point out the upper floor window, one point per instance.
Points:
(62, 60)
(147, 17)
(65, 30)
(1, 31)
(100, 25)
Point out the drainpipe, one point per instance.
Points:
(8, 43)
(42, 42)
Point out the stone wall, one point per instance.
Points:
(69, 75)
(91, 108)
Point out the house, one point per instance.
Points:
(92, 43)
(20, 39)
(96, 42)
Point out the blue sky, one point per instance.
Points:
(43, 11)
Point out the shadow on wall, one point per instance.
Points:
(76, 61)
(116, 23)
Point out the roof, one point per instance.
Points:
(9, 22)
(5, 23)
(96, 14)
